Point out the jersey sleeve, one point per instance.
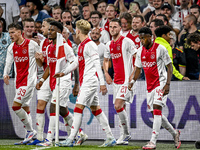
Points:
(132, 48)
(36, 47)
(138, 62)
(9, 60)
(164, 55)
(107, 50)
(47, 55)
(69, 54)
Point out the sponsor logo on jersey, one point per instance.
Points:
(116, 56)
(20, 59)
(80, 58)
(52, 60)
(148, 64)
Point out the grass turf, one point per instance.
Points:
(93, 145)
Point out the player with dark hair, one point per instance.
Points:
(153, 58)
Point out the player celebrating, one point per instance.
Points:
(153, 58)
(89, 64)
(65, 83)
(22, 52)
(121, 50)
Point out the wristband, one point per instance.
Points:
(42, 79)
(132, 81)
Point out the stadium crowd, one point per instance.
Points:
(29, 27)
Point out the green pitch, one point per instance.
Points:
(93, 145)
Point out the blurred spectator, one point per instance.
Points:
(163, 18)
(56, 13)
(151, 15)
(179, 61)
(10, 11)
(1, 11)
(76, 14)
(35, 6)
(126, 20)
(101, 7)
(147, 7)
(5, 41)
(38, 27)
(86, 12)
(195, 10)
(192, 62)
(193, 40)
(134, 9)
(95, 20)
(24, 13)
(122, 7)
(154, 25)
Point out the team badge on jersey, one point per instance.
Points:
(152, 56)
(24, 51)
(118, 47)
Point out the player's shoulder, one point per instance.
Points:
(139, 50)
(33, 43)
(10, 47)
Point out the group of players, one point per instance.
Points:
(127, 63)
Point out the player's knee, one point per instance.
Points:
(15, 108)
(119, 108)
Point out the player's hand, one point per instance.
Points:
(166, 89)
(6, 79)
(186, 78)
(38, 85)
(58, 75)
(103, 89)
(130, 85)
(39, 56)
(108, 78)
(75, 89)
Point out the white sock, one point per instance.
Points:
(40, 120)
(101, 117)
(76, 124)
(52, 124)
(68, 119)
(168, 126)
(23, 116)
(156, 125)
(123, 119)
(29, 117)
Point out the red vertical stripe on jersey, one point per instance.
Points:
(61, 52)
(69, 43)
(135, 39)
(21, 58)
(81, 59)
(117, 59)
(149, 64)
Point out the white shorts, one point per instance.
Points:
(156, 97)
(24, 94)
(121, 92)
(64, 96)
(45, 92)
(87, 96)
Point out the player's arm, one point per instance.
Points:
(8, 65)
(76, 85)
(169, 76)
(105, 68)
(39, 59)
(136, 75)
(44, 77)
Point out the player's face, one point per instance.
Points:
(66, 16)
(77, 33)
(195, 46)
(145, 39)
(86, 12)
(102, 8)
(110, 12)
(56, 13)
(95, 20)
(29, 28)
(136, 24)
(45, 28)
(14, 34)
(95, 34)
(52, 33)
(114, 28)
(125, 25)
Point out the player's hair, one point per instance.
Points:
(139, 16)
(195, 6)
(96, 13)
(164, 17)
(157, 22)
(145, 30)
(16, 26)
(27, 20)
(57, 24)
(192, 18)
(193, 37)
(162, 30)
(116, 20)
(84, 26)
(126, 16)
(48, 20)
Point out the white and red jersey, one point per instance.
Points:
(153, 61)
(121, 52)
(65, 81)
(89, 64)
(134, 38)
(43, 46)
(105, 26)
(23, 56)
(101, 51)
